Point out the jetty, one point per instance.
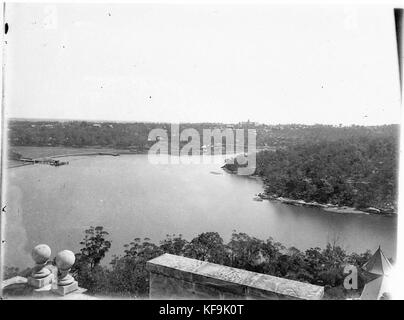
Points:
(50, 161)
(114, 154)
(54, 161)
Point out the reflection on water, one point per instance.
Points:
(132, 198)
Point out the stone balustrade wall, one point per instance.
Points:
(176, 277)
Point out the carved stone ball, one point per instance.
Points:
(65, 259)
(41, 253)
(241, 159)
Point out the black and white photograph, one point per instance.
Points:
(200, 151)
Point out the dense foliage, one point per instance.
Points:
(359, 172)
(125, 135)
(127, 274)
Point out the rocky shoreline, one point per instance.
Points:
(232, 169)
(327, 207)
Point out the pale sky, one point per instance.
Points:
(214, 63)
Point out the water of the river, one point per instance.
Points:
(132, 198)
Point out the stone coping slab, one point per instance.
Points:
(231, 279)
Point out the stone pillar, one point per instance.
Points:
(40, 276)
(66, 283)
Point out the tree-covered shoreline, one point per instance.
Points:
(359, 172)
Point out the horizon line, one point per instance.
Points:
(190, 122)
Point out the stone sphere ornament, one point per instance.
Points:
(41, 254)
(65, 259)
(41, 275)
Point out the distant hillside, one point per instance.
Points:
(124, 135)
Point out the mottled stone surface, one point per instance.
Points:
(18, 288)
(41, 282)
(176, 277)
(66, 289)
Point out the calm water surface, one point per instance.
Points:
(132, 198)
